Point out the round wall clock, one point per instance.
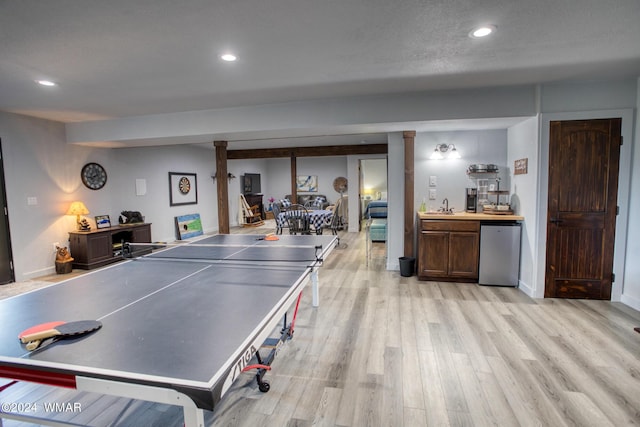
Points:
(184, 185)
(93, 176)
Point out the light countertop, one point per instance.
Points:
(469, 216)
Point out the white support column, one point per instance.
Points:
(315, 293)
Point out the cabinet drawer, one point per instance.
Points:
(442, 225)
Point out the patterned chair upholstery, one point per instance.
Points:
(309, 199)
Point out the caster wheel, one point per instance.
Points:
(264, 387)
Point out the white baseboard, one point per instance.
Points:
(631, 301)
(525, 288)
(37, 273)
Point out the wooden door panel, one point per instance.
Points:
(99, 247)
(583, 166)
(463, 254)
(435, 247)
(579, 252)
(576, 288)
(584, 159)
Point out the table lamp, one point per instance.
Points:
(77, 209)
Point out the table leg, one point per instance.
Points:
(367, 243)
(193, 416)
(315, 293)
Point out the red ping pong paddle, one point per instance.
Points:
(39, 328)
(61, 330)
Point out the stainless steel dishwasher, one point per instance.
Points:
(499, 254)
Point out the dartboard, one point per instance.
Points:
(184, 185)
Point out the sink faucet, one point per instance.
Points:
(445, 202)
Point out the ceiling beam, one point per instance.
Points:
(329, 150)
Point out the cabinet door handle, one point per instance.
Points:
(555, 221)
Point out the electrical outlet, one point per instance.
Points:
(55, 246)
(432, 194)
(433, 181)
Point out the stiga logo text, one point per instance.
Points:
(237, 368)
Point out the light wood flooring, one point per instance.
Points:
(386, 350)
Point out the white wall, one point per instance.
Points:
(395, 210)
(487, 146)
(523, 144)
(238, 168)
(153, 164)
(631, 291)
(39, 163)
(279, 181)
(327, 169)
(324, 116)
(276, 181)
(374, 176)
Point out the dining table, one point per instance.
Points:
(316, 218)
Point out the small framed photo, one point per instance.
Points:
(183, 189)
(103, 221)
(521, 166)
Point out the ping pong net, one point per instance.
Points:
(256, 253)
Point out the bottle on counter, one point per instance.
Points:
(423, 206)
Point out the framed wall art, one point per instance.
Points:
(521, 166)
(307, 183)
(183, 189)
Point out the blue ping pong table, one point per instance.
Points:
(179, 324)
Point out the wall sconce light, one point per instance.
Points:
(443, 148)
(230, 176)
(77, 209)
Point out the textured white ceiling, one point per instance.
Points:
(121, 58)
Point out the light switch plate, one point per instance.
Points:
(432, 194)
(433, 181)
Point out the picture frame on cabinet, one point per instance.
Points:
(103, 221)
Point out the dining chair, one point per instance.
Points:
(275, 208)
(298, 219)
(334, 224)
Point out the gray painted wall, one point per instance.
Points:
(39, 163)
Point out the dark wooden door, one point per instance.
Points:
(584, 159)
(7, 274)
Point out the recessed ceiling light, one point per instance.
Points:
(228, 57)
(483, 31)
(45, 82)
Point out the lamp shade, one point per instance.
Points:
(443, 148)
(436, 155)
(77, 208)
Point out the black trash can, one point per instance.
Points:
(407, 266)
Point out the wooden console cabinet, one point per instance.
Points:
(448, 250)
(96, 248)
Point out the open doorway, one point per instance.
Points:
(373, 206)
(373, 183)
